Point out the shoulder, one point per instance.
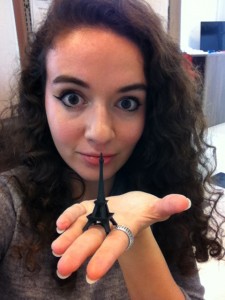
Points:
(12, 176)
(11, 205)
(189, 284)
(10, 191)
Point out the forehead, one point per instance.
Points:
(92, 40)
(92, 35)
(101, 50)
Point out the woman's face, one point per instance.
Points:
(95, 100)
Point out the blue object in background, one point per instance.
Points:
(219, 179)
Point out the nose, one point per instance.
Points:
(99, 125)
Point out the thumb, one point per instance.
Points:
(172, 204)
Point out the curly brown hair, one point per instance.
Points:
(170, 156)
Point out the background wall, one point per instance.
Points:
(161, 7)
(194, 11)
(38, 10)
(9, 51)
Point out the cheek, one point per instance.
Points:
(62, 133)
(132, 133)
(62, 129)
(64, 136)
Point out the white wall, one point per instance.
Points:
(9, 51)
(161, 8)
(38, 10)
(192, 13)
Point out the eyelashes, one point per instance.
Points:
(129, 103)
(70, 99)
(73, 99)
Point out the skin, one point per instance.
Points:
(110, 69)
(103, 75)
(137, 211)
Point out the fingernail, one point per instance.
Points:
(90, 281)
(61, 276)
(56, 255)
(59, 231)
(189, 203)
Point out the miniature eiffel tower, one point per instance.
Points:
(100, 215)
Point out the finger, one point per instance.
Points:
(171, 204)
(62, 243)
(69, 216)
(83, 247)
(106, 255)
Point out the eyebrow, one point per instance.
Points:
(132, 87)
(70, 79)
(74, 80)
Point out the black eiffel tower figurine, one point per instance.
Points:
(100, 215)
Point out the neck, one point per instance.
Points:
(91, 189)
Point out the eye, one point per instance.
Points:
(70, 99)
(129, 104)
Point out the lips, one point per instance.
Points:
(93, 159)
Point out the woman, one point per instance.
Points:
(103, 77)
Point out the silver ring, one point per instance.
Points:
(128, 233)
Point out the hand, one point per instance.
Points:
(136, 210)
